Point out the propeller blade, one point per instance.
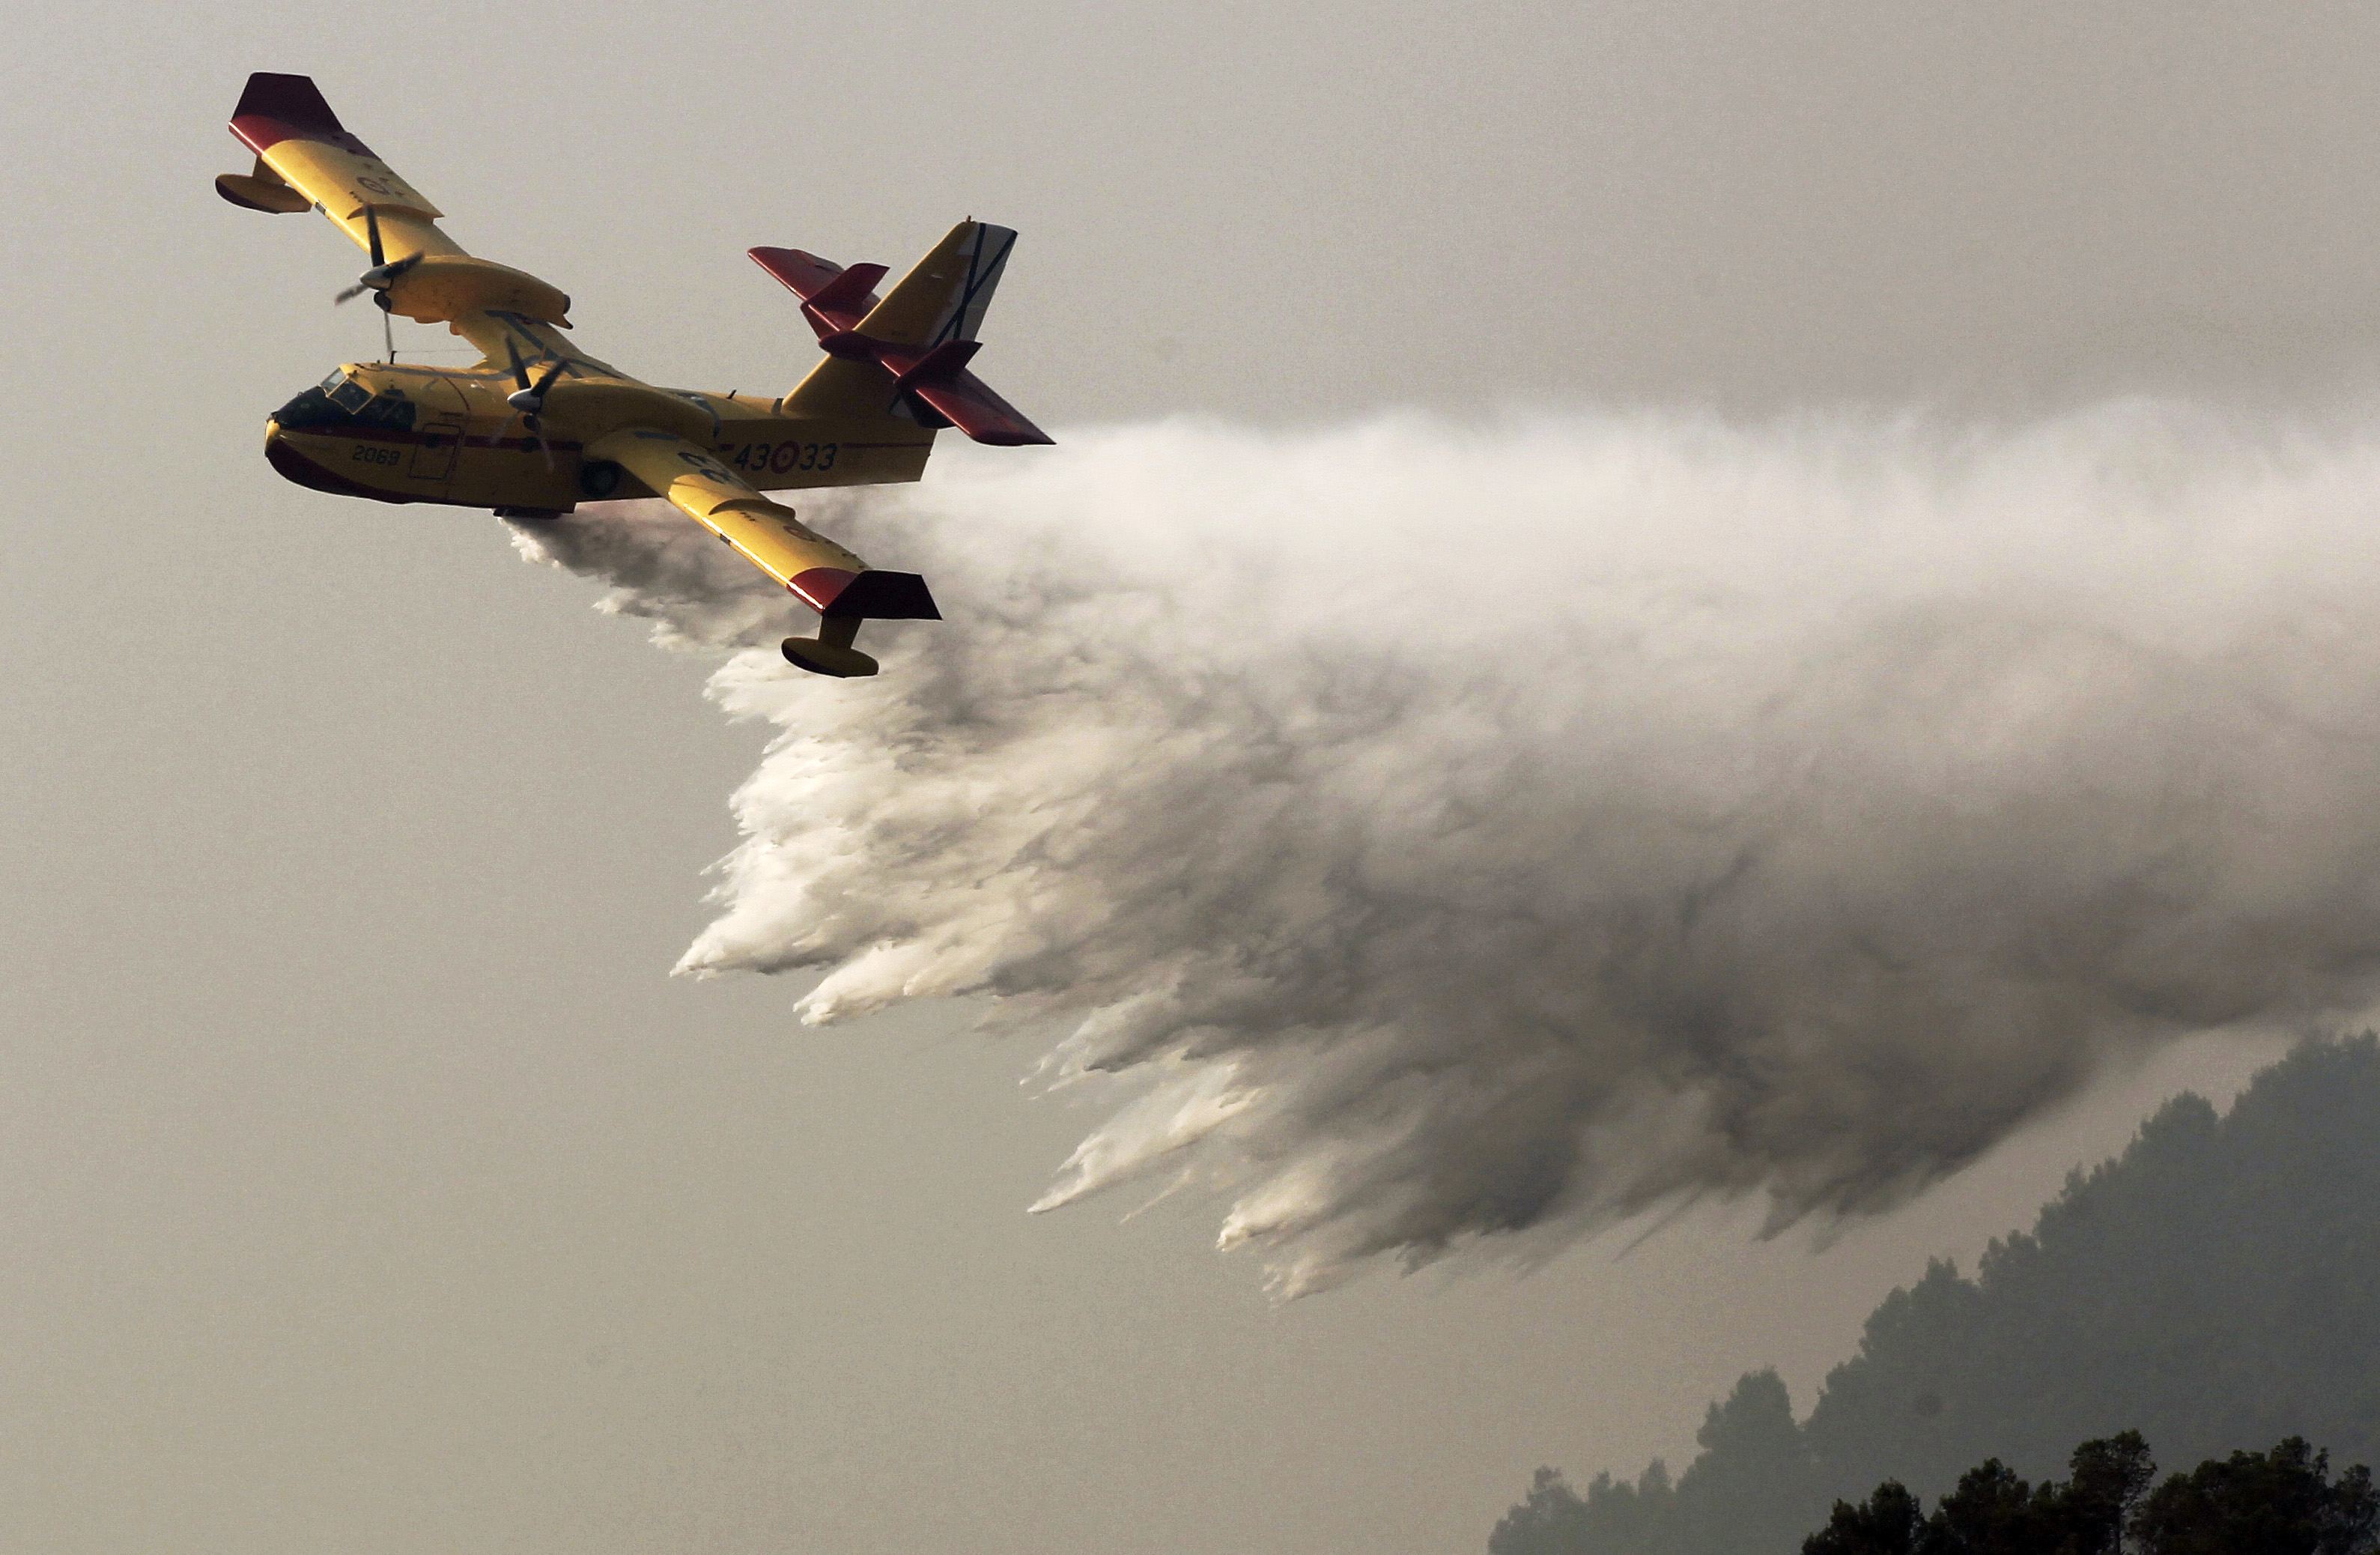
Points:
(387, 329)
(536, 429)
(382, 274)
(529, 398)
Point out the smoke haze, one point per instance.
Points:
(1455, 830)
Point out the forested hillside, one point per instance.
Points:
(2216, 1287)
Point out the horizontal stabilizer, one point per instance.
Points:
(968, 404)
(945, 363)
(833, 300)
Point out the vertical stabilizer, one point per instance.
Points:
(905, 353)
(945, 297)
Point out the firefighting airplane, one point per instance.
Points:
(538, 425)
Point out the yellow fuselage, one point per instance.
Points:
(403, 432)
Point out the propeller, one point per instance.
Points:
(382, 274)
(528, 398)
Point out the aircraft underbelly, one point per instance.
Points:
(510, 472)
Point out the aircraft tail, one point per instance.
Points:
(905, 353)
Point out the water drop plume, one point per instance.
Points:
(1486, 833)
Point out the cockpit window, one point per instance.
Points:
(342, 400)
(387, 410)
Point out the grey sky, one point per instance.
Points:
(365, 1182)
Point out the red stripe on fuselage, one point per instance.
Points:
(417, 438)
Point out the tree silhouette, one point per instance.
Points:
(2110, 1476)
(1888, 1522)
(1751, 1488)
(2214, 1287)
(1991, 1513)
(2280, 1502)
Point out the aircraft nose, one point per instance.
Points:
(281, 451)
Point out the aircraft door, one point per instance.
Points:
(434, 457)
(442, 408)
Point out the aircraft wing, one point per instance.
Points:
(303, 150)
(821, 574)
(306, 158)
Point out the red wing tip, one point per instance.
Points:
(293, 101)
(819, 586)
(273, 108)
(872, 595)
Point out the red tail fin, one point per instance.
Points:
(833, 300)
